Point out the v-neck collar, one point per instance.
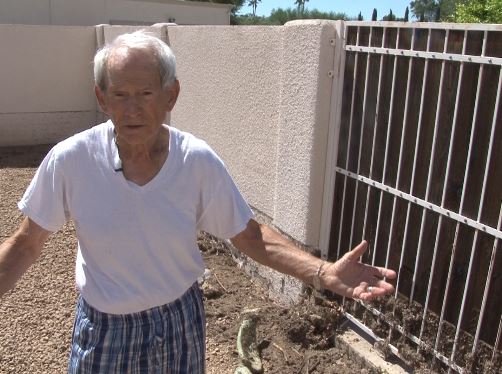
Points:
(117, 164)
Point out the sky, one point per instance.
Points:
(349, 7)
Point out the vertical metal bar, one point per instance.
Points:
(481, 204)
(387, 141)
(429, 179)
(454, 245)
(365, 96)
(420, 115)
(419, 125)
(399, 167)
(450, 270)
(490, 149)
(375, 128)
(497, 340)
(487, 286)
(348, 150)
(334, 141)
(474, 242)
(340, 227)
(473, 128)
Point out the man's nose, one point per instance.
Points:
(133, 106)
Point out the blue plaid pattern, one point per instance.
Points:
(165, 339)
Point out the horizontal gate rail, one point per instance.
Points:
(423, 203)
(426, 25)
(496, 61)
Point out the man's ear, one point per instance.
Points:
(100, 95)
(173, 91)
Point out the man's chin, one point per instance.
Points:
(134, 137)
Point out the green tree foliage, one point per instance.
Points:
(281, 16)
(437, 18)
(406, 15)
(249, 19)
(433, 10)
(424, 10)
(478, 11)
(389, 17)
(447, 9)
(374, 15)
(360, 17)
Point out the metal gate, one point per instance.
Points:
(419, 175)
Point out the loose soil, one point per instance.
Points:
(36, 317)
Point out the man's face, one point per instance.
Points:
(134, 97)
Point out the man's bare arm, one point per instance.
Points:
(347, 276)
(19, 252)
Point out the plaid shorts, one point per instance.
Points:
(165, 339)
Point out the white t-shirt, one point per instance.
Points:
(136, 244)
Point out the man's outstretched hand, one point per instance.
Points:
(347, 276)
(351, 278)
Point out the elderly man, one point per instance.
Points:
(138, 191)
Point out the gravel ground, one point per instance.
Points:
(36, 316)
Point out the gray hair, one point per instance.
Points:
(137, 40)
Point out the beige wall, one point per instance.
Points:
(259, 95)
(46, 91)
(94, 12)
(28, 12)
(230, 96)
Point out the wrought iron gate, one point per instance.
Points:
(419, 175)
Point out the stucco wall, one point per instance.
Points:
(47, 90)
(183, 12)
(230, 96)
(260, 96)
(303, 128)
(94, 12)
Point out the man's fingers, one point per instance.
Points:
(384, 286)
(375, 292)
(357, 251)
(384, 273)
(378, 272)
(380, 288)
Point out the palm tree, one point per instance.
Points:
(254, 4)
(301, 5)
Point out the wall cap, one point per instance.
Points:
(310, 22)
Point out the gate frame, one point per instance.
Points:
(332, 153)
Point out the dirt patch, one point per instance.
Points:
(291, 340)
(403, 320)
(36, 317)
